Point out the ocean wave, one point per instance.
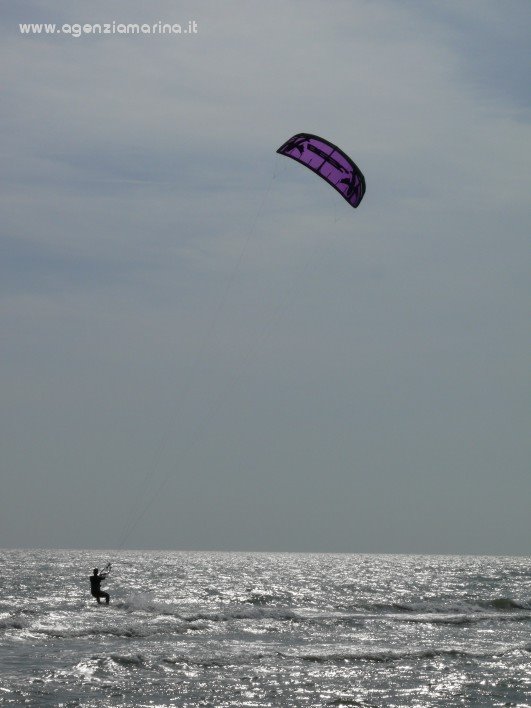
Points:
(7, 623)
(100, 666)
(391, 655)
(441, 606)
(127, 631)
(463, 619)
(350, 703)
(202, 622)
(118, 662)
(178, 623)
(242, 658)
(357, 619)
(384, 655)
(278, 606)
(255, 606)
(261, 598)
(162, 623)
(245, 613)
(129, 660)
(507, 603)
(248, 609)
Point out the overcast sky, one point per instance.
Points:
(203, 345)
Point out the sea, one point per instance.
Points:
(264, 629)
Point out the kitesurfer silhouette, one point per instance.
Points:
(95, 589)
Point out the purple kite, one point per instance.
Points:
(329, 162)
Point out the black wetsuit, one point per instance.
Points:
(95, 590)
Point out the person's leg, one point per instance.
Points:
(106, 596)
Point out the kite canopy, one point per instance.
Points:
(329, 162)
